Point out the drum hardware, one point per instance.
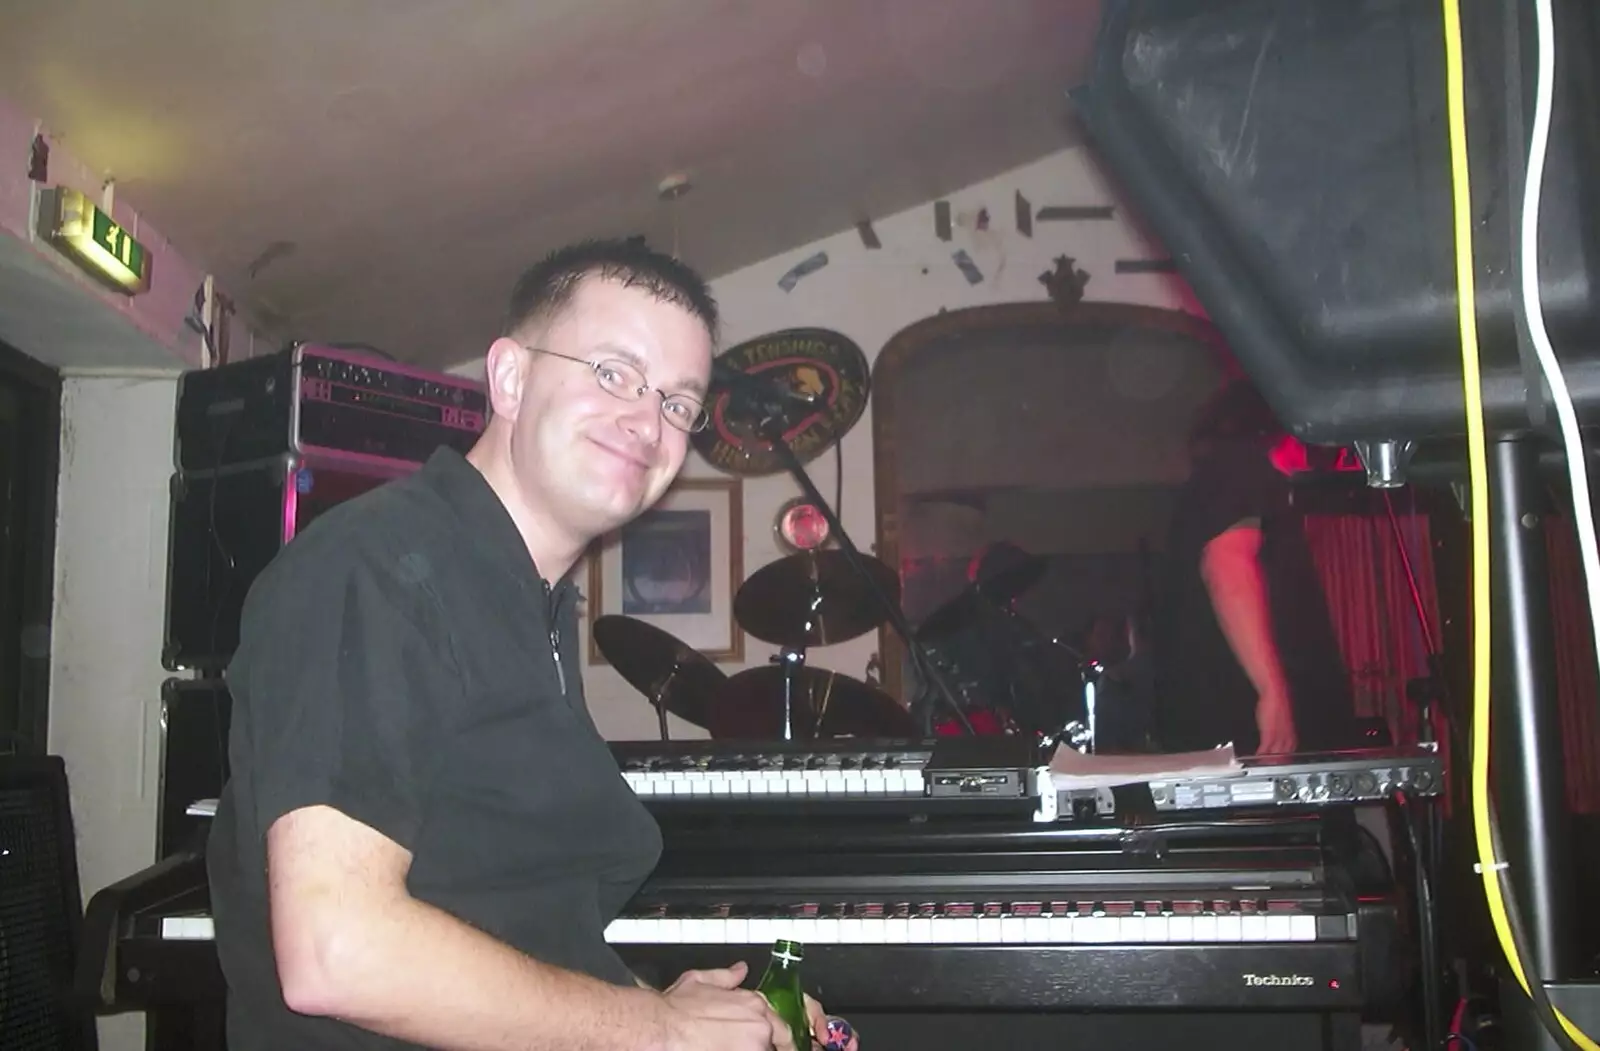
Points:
(773, 411)
(791, 660)
(988, 605)
(802, 702)
(674, 676)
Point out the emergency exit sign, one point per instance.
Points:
(97, 243)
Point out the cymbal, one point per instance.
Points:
(997, 588)
(1006, 584)
(661, 666)
(751, 707)
(813, 598)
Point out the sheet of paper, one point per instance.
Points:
(1070, 768)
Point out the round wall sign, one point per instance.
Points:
(815, 361)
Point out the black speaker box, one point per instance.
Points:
(226, 526)
(195, 716)
(41, 909)
(1294, 157)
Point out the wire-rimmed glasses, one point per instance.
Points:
(622, 379)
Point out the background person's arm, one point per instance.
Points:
(1230, 565)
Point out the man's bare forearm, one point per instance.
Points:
(418, 974)
(1238, 589)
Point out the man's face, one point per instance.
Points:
(586, 458)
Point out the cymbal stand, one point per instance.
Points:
(773, 414)
(660, 699)
(792, 658)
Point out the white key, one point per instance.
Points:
(1050, 929)
(188, 928)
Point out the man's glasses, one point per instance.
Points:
(621, 379)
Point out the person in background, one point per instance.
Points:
(1245, 649)
(424, 835)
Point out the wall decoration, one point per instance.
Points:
(808, 265)
(1024, 215)
(968, 268)
(823, 364)
(1066, 282)
(1072, 212)
(1146, 266)
(677, 567)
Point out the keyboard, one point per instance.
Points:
(1247, 915)
(946, 774)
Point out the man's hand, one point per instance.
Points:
(709, 1012)
(818, 1019)
(1275, 723)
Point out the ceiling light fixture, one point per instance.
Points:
(674, 186)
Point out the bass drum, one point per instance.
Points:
(1008, 678)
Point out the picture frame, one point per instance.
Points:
(677, 567)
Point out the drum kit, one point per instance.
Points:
(809, 599)
(1029, 684)
(792, 395)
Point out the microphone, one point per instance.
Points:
(760, 389)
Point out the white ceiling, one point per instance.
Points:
(409, 157)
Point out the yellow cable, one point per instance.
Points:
(1477, 463)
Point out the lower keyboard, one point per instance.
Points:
(981, 930)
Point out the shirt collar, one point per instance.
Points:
(480, 509)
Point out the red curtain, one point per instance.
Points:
(1373, 614)
(1370, 600)
(1577, 682)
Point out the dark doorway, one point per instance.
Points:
(30, 440)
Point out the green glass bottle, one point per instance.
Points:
(781, 986)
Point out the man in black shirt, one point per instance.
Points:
(424, 835)
(1245, 647)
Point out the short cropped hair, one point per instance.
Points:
(547, 287)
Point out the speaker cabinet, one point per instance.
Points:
(40, 910)
(195, 716)
(226, 525)
(1294, 156)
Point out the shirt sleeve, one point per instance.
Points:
(345, 679)
(1229, 488)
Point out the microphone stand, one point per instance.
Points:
(769, 407)
(1427, 844)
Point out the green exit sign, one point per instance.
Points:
(96, 242)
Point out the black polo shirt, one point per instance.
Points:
(403, 661)
(1205, 698)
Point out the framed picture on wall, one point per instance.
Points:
(677, 566)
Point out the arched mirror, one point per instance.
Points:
(1060, 430)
